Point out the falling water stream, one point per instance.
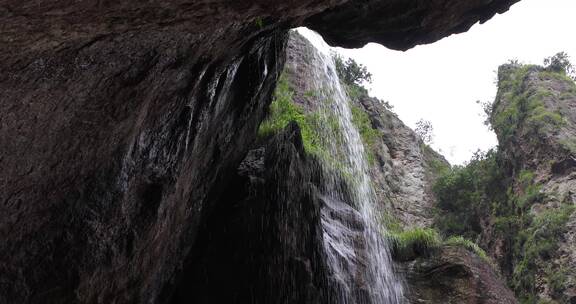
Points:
(358, 255)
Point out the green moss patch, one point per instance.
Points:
(283, 110)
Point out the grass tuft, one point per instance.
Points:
(459, 241)
(407, 245)
(410, 244)
(283, 110)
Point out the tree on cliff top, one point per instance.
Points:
(560, 63)
(351, 72)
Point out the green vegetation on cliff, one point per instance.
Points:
(436, 165)
(320, 128)
(409, 244)
(560, 64)
(313, 125)
(523, 108)
(498, 201)
(460, 241)
(465, 194)
(526, 112)
(536, 242)
(479, 202)
(422, 242)
(283, 110)
(351, 72)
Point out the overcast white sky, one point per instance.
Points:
(441, 82)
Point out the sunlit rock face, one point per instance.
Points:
(122, 122)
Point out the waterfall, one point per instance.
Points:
(357, 253)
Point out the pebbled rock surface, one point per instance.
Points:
(122, 123)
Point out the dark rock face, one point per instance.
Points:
(455, 276)
(52, 25)
(102, 205)
(380, 21)
(263, 243)
(123, 122)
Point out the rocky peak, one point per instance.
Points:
(518, 199)
(538, 104)
(534, 117)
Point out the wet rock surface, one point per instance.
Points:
(264, 241)
(105, 184)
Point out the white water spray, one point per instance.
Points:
(358, 257)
